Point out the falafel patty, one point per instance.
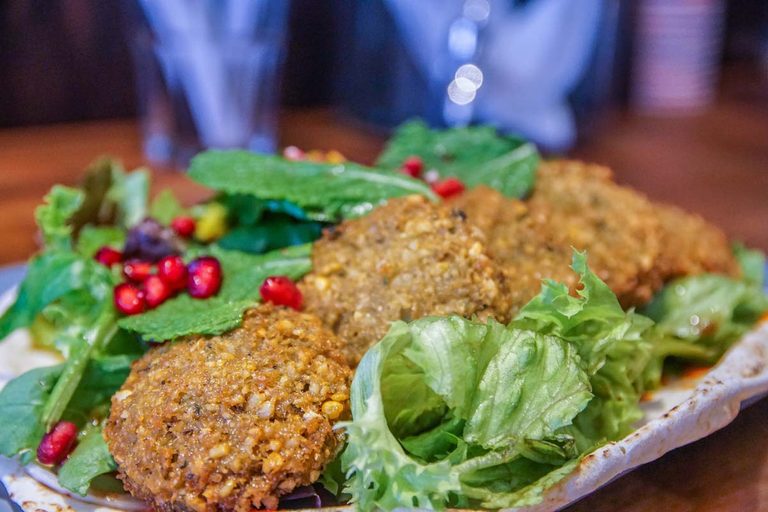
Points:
(231, 422)
(617, 226)
(407, 259)
(519, 240)
(691, 245)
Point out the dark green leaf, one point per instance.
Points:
(476, 155)
(22, 401)
(90, 459)
(270, 235)
(334, 191)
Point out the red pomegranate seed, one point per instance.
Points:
(137, 270)
(449, 187)
(156, 291)
(108, 256)
(203, 277)
(293, 153)
(413, 166)
(183, 225)
(173, 272)
(58, 443)
(129, 299)
(282, 291)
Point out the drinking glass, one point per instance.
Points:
(207, 75)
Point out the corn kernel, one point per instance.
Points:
(332, 409)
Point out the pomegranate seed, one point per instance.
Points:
(156, 291)
(58, 443)
(137, 270)
(183, 225)
(282, 291)
(173, 272)
(449, 187)
(203, 277)
(413, 166)
(108, 256)
(293, 153)
(129, 299)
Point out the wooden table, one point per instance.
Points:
(716, 164)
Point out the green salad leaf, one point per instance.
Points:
(708, 311)
(501, 389)
(270, 234)
(477, 155)
(90, 459)
(22, 401)
(243, 274)
(53, 216)
(612, 343)
(165, 207)
(752, 264)
(327, 192)
(93, 238)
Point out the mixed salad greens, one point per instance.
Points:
(446, 411)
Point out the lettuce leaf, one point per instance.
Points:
(90, 459)
(489, 392)
(477, 155)
(707, 311)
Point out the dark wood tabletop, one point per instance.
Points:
(715, 164)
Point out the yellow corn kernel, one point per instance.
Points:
(335, 157)
(212, 224)
(332, 409)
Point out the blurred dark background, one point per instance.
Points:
(69, 60)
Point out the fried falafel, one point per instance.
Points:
(407, 259)
(231, 422)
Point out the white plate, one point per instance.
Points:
(676, 415)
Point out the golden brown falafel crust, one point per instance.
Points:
(617, 226)
(519, 240)
(231, 422)
(407, 259)
(691, 245)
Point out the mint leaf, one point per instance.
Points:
(53, 216)
(476, 155)
(326, 191)
(91, 458)
(243, 275)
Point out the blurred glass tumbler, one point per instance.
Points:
(207, 75)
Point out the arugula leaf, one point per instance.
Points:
(330, 191)
(22, 401)
(165, 207)
(93, 238)
(243, 274)
(53, 216)
(91, 458)
(476, 155)
(51, 276)
(502, 389)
